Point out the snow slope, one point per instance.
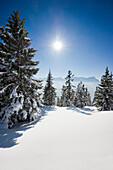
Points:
(64, 139)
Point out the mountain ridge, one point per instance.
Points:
(77, 79)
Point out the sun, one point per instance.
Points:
(58, 45)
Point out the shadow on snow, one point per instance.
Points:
(8, 137)
(86, 111)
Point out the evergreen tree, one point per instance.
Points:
(18, 90)
(82, 97)
(58, 101)
(49, 91)
(103, 97)
(67, 97)
(97, 100)
(63, 97)
(87, 98)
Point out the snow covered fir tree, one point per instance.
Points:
(49, 91)
(19, 99)
(58, 101)
(82, 97)
(63, 96)
(68, 92)
(103, 97)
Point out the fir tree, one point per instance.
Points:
(103, 97)
(49, 91)
(67, 97)
(18, 88)
(88, 99)
(63, 97)
(58, 101)
(82, 97)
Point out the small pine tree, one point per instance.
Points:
(87, 98)
(82, 97)
(58, 101)
(49, 91)
(67, 97)
(63, 97)
(18, 96)
(103, 97)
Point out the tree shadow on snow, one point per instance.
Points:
(8, 137)
(86, 111)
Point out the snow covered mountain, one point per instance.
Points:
(64, 139)
(77, 79)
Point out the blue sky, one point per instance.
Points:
(85, 27)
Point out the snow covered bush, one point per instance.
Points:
(19, 98)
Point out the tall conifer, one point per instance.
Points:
(49, 91)
(67, 97)
(18, 89)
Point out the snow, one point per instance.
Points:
(2, 91)
(14, 93)
(2, 72)
(34, 104)
(7, 28)
(3, 52)
(63, 139)
(26, 38)
(19, 30)
(24, 113)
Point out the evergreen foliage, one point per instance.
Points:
(19, 99)
(82, 97)
(63, 96)
(49, 91)
(103, 98)
(58, 102)
(67, 97)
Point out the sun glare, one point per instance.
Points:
(58, 45)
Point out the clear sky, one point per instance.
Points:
(85, 27)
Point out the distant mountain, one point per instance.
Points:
(88, 79)
(54, 79)
(77, 79)
(58, 79)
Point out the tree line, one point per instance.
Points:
(19, 91)
(70, 96)
(80, 97)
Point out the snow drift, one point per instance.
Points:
(64, 139)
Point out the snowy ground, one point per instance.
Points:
(64, 139)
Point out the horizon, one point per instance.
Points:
(74, 77)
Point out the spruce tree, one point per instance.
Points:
(49, 91)
(103, 97)
(82, 97)
(58, 101)
(63, 97)
(18, 89)
(67, 97)
(88, 99)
